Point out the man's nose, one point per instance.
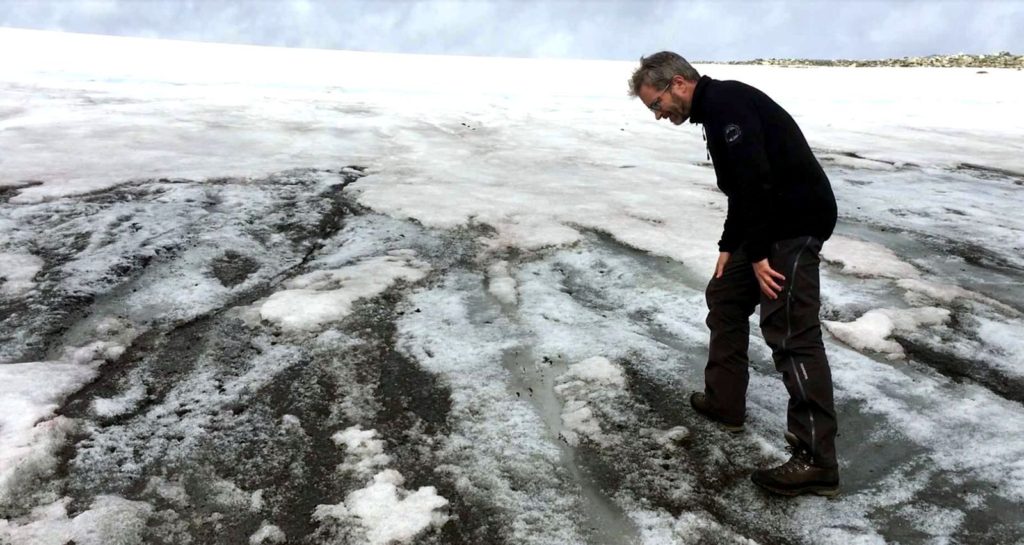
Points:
(658, 115)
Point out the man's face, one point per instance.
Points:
(671, 102)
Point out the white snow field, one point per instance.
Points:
(258, 295)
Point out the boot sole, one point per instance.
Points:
(826, 491)
(730, 428)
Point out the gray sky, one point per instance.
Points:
(699, 30)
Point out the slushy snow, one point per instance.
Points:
(534, 226)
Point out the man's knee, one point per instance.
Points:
(724, 318)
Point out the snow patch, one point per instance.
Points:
(29, 433)
(1003, 344)
(327, 296)
(17, 272)
(861, 258)
(531, 232)
(689, 528)
(364, 447)
(576, 386)
(389, 513)
(120, 404)
(597, 370)
(500, 284)
(872, 330)
(109, 520)
(268, 534)
(228, 495)
(171, 491)
(256, 501)
(670, 439)
(947, 293)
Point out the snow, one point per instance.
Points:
(321, 297)
(466, 343)
(873, 330)
(120, 404)
(365, 447)
(110, 519)
(574, 385)
(388, 512)
(598, 370)
(500, 284)
(669, 439)
(267, 534)
(862, 258)
(518, 273)
(29, 431)
(16, 272)
(946, 293)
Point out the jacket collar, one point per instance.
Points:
(698, 104)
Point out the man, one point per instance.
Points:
(781, 210)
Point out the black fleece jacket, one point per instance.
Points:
(776, 188)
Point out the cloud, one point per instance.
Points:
(700, 30)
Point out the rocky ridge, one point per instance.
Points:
(1003, 59)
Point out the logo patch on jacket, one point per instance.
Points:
(732, 133)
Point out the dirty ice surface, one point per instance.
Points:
(257, 295)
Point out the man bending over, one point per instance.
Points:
(781, 210)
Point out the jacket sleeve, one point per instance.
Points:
(749, 207)
(732, 234)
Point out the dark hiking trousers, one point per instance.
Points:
(792, 329)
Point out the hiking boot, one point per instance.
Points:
(699, 402)
(791, 440)
(798, 476)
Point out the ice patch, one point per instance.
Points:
(500, 284)
(327, 296)
(861, 258)
(17, 271)
(109, 520)
(872, 330)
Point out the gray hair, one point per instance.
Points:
(657, 70)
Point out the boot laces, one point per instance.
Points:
(800, 461)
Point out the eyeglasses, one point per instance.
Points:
(656, 105)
